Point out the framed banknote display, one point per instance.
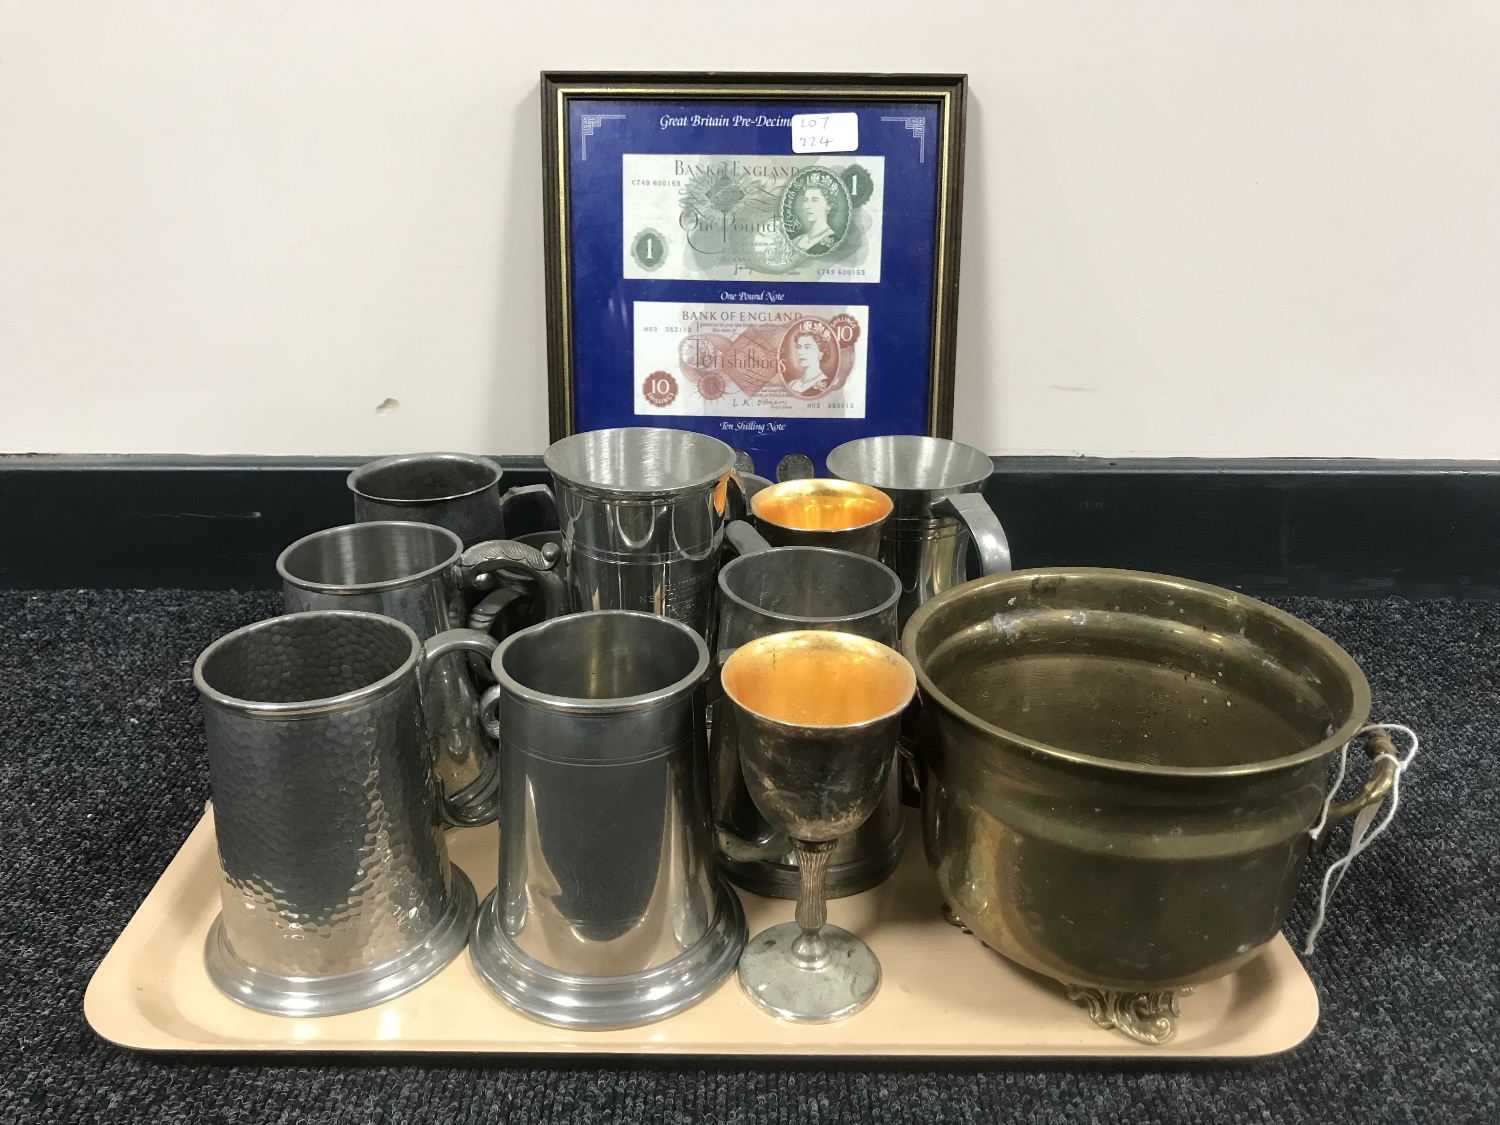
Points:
(771, 259)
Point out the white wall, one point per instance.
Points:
(1197, 227)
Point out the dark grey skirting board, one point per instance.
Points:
(1337, 528)
(102, 773)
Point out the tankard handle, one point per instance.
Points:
(528, 492)
(743, 539)
(455, 640)
(474, 805)
(489, 716)
(731, 501)
(1382, 754)
(517, 560)
(483, 616)
(975, 513)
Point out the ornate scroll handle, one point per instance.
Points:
(517, 559)
(1380, 750)
(497, 554)
(491, 606)
(1146, 1017)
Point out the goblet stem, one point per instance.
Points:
(809, 950)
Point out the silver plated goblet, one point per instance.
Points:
(818, 716)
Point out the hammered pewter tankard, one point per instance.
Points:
(608, 911)
(642, 515)
(819, 512)
(415, 572)
(336, 891)
(767, 591)
(935, 486)
(458, 491)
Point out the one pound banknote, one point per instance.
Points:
(753, 218)
(750, 361)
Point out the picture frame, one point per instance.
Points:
(770, 258)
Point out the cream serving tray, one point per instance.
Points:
(943, 992)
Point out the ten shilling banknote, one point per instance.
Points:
(753, 218)
(750, 360)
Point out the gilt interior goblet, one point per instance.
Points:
(818, 715)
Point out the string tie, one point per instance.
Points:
(1362, 836)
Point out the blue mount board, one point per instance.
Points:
(899, 344)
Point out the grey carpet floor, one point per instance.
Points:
(102, 773)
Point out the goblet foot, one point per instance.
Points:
(834, 983)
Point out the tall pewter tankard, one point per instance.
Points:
(608, 911)
(337, 892)
(767, 591)
(458, 491)
(642, 515)
(415, 572)
(935, 485)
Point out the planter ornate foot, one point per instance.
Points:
(1146, 1017)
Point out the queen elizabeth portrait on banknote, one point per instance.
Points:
(809, 358)
(815, 211)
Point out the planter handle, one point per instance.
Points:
(1385, 781)
(1384, 767)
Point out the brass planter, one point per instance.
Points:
(1121, 771)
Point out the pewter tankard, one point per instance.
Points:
(458, 491)
(415, 572)
(608, 911)
(934, 484)
(642, 515)
(337, 892)
(767, 591)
